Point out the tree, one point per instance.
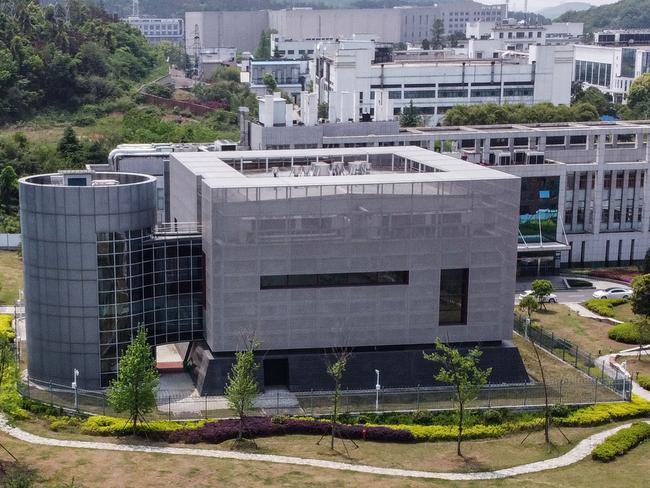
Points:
(263, 50)
(454, 38)
(134, 389)
(638, 99)
(410, 116)
(437, 34)
(8, 185)
(642, 329)
(541, 289)
(594, 97)
(641, 295)
(645, 266)
(641, 306)
(336, 371)
(269, 81)
(463, 373)
(241, 389)
(69, 146)
(426, 45)
(529, 305)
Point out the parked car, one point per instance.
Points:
(615, 292)
(550, 298)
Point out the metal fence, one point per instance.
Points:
(600, 383)
(181, 406)
(584, 361)
(10, 241)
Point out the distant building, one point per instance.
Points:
(625, 37)
(157, 30)
(349, 74)
(290, 75)
(611, 69)
(399, 24)
(491, 40)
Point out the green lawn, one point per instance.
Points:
(96, 468)
(11, 277)
(588, 334)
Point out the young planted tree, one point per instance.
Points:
(241, 389)
(463, 373)
(542, 289)
(134, 389)
(335, 370)
(529, 305)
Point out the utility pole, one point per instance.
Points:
(135, 8)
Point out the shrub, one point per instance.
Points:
(223, 430)
(625, 333)
(6, 329)
(113, 426)
(606, 412)
(604, 307)
(643, 381)
(621, 442)
(433, 433)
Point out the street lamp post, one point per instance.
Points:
(377, 388)
(74, 385)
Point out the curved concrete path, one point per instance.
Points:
(579, 452)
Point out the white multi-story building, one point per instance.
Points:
(157, 30)
(286, 48)
(611, 69)
(622, 37)
(347, 75)
(488, 40)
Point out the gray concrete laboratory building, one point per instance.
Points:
(377, 250)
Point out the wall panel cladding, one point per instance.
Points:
(60, 224)
(351, 229)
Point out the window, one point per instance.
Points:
(453, 296)
(420, 94)
(450, 93)
(393, 95)
(334, 279)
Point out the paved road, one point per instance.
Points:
(575, 295)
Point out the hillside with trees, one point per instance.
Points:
(626, 14)
(53, 58)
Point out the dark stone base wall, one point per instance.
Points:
(399, 368)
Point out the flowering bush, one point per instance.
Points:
(217, 432)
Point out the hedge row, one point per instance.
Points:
(434, 433)
(621, 442)
(604, 307)
(113, 426)
(625, 333)
(606, 412)
(643, 381)
(254, 427)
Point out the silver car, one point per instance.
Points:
(614, 292)
(550, 298)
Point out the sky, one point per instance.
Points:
(534, 5)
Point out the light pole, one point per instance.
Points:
(377, 388)
(74, 385)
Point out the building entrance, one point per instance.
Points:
(276, 372)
